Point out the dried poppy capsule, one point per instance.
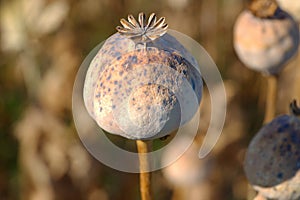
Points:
(134, 83)
(272, 160)
(265, 37)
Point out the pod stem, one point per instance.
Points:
(271, 98)
(145, 175)
(251, 193)
(179, 193)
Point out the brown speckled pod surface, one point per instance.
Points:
(272, 160)
(131, 88)
(266, 44)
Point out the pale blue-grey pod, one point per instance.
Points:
(133, 85)
(272, 162)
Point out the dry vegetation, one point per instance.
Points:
(43, 43)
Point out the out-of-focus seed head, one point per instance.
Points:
(266, 44)
(272, 160)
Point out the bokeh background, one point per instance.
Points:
(42, 44)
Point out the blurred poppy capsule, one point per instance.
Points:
(265, 37)
(272, 160)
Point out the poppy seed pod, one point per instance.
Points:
(265, 37)
(134, 84)
(272, 160)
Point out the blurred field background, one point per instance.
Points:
(43, 43)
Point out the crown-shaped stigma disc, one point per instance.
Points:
(140, 31)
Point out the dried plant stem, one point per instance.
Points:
(179, 193)
(251, 193)
(271, 98)
(145, 175)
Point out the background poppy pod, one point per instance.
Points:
(272, 160)
(140, 83)
(265, 42)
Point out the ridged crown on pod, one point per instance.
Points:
(265, 37)
(273, 156)
(133, 83)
